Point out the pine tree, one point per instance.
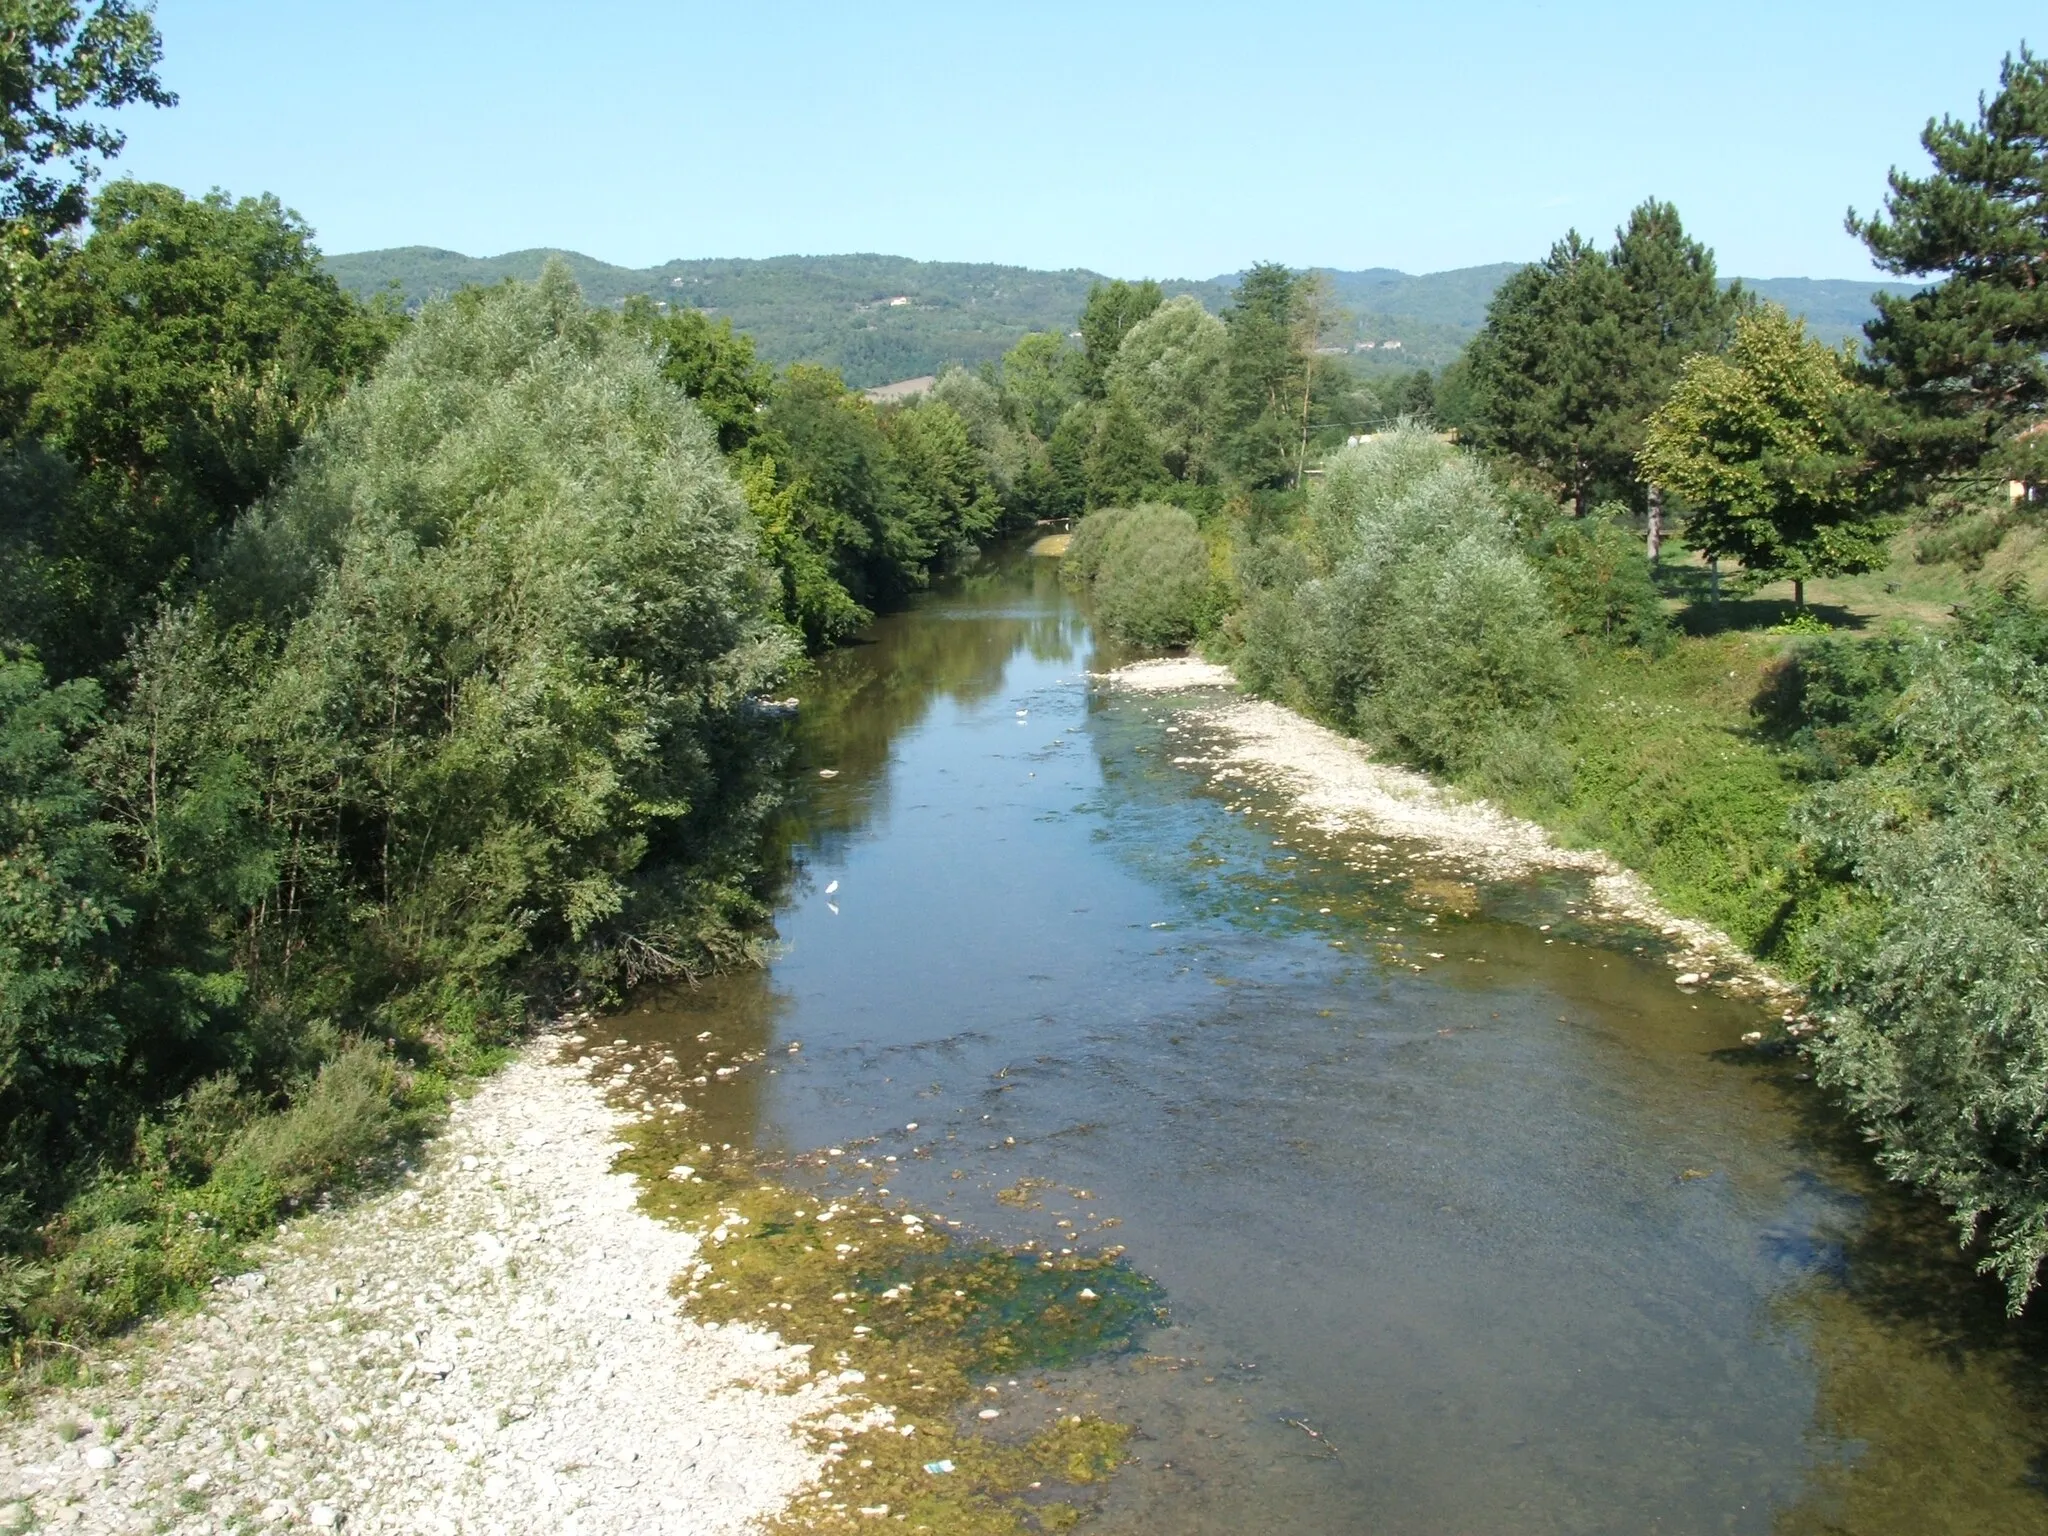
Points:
(1965, 362)
(1579, 348)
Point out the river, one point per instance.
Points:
(1466, 1219)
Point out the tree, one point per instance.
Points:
(1123, 459)
(1546, 372)
(946, 491)
(55, 63)
(60, 909)
(1171, 368)
(169, 365)
(1578, 350)
(1112, 309)
(1758, 441)
(1965, 362)
(1934, 980)
(1266, 373)
(710, 363)
(1042, 376)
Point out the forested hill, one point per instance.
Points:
(878, 318)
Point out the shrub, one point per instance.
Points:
(1468, 643)
(351, 1116)
(1155, 585)
(1966, 543)
(1085, 548)
(1151, 574)
(1601, 582)
(1935, 982)
(1401, 606)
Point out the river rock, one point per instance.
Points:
(101, 1458)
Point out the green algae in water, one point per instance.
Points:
(910, 1322)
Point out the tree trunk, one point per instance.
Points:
(1714, 579)
(1655, 540)
(1799, 593)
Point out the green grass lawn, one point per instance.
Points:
(1904, 590)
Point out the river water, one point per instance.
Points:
(1466, 1219)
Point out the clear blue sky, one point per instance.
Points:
(1169, 140)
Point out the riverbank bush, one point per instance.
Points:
(1150, 571)
(1934, 977)
(1402, 606)
(462, 715)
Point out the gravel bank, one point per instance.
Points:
(490, 1348)
(1340, 789)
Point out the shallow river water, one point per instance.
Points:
(1466, 1219)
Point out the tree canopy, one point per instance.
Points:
(1579, 348)
(1965, 362)
(161, 375)
(1758, 440)
(59, 64)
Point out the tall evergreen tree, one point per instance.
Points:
(1965, 362)
(1106, 319)
(1265, 365)
(1546, 374)
(1581, 347)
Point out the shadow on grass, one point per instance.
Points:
(1702, 615)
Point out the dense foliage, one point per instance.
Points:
(1964, 364)
(1402, 605)
(1150, 572)
(57, 62)
(1579, 348)
(157, 379)
(462, 711)
(1759, 442)
(1934, 976)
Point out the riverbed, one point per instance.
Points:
(1465, 1217)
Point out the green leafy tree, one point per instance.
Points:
(709, 362)
(1171, 369)
(61, 910)
(1042, 377)
(1010, 457)
(167, 369)
(59, 62)
(1579, 348)
(1112, 309)
(1402, 607)
(1266, 368)
(1965, 362)
(947, 495)
(1759, 443)
(1934, 981)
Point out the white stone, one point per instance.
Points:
(101, 1458)
(325, 1516)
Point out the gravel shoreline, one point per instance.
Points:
(1337, 785)
(491, 1347)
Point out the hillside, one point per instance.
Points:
(879, 318)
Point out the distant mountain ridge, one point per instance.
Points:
(880, 318)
